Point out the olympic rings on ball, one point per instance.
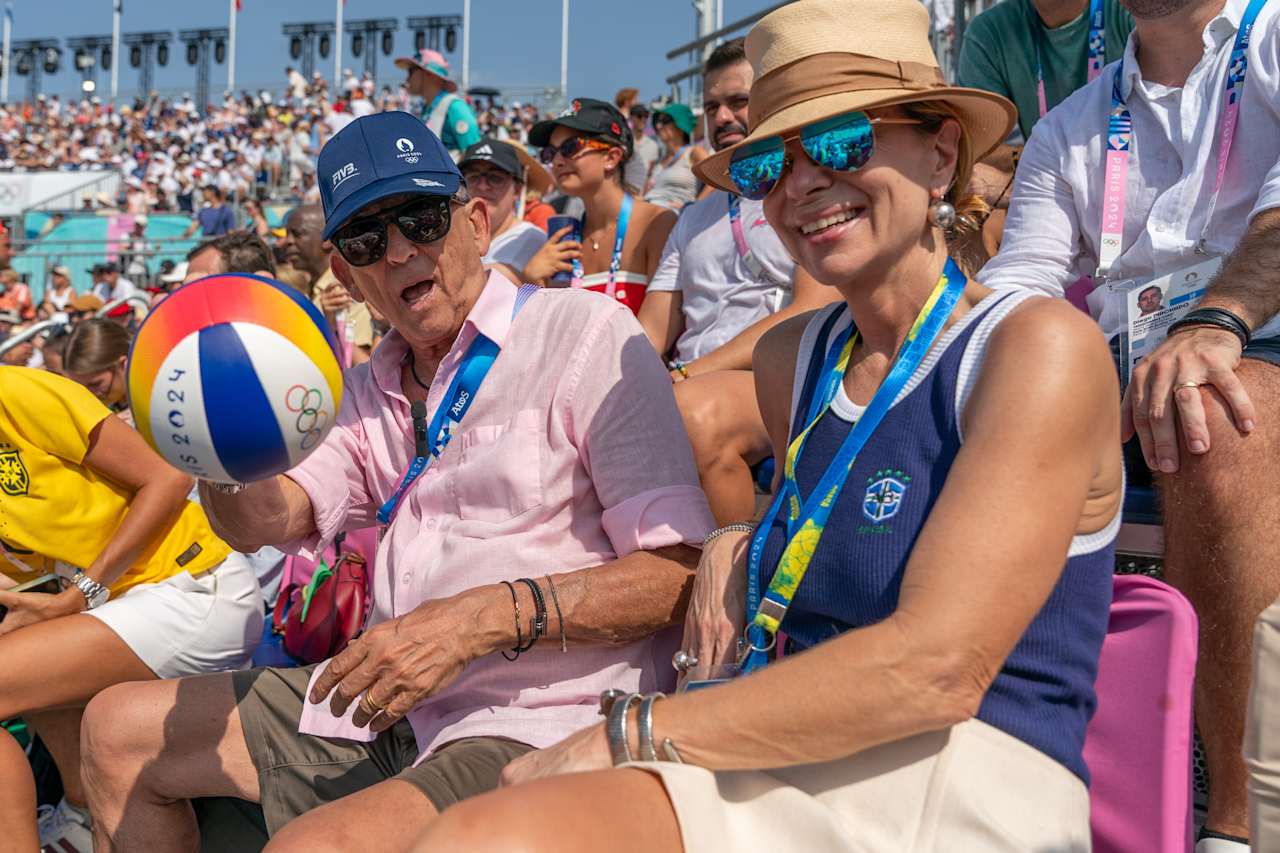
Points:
(311, 421)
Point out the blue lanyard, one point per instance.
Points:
(817, 509)
(476, 362)
(615, 262)
(1097, 47)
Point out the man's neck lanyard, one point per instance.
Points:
(431, 440)
(740, 240)
(1120, 138)
(807, 521)
(1097, 50)
(615, 262)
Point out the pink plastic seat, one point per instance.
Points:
(1139, 743)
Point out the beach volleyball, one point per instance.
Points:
(232, 378)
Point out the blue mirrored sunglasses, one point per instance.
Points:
(843, 143)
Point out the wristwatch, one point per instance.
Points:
(95, 594)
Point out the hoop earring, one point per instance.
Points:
(942, 214)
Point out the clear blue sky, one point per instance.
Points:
(612, 43)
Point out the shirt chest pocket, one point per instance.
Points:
(499, 470)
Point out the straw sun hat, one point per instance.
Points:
(815, 59)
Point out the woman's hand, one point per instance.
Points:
(718, 605)
(556, 255)
(334, 299)
(28, 608)
(582, 751)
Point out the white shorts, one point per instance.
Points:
(190, 625)
(968, 788)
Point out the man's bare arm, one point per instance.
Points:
(1249, 282)
(271, 512)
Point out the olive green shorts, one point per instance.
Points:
(298, 772)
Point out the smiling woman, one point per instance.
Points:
(933, 690)
(587, 149)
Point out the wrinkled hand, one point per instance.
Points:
(718, 604)
(28, 608)
(581, 752)
(334, 298)
(400, 663)
(1153, 401)
(553, 257)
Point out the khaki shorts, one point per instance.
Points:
(297, 772)
(968, 788)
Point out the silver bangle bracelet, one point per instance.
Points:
(616, 728)
(644, 719)
(738, 527)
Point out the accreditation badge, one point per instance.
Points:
(1149, 306)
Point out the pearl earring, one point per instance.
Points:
(942, 214)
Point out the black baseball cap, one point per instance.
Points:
(598, 118)
(497, 152)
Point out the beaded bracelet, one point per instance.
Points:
(738, 527)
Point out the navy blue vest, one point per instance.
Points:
(1044, 693)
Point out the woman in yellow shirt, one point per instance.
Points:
(149, 590)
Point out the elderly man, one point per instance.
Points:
(723, 281)
(553, 530)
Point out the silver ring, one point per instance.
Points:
(682, 661)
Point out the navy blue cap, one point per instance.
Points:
(377, 156)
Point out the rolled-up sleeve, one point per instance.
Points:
(333, 477)
(621, 414)
(1041, 239)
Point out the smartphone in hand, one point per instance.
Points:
(49, 583)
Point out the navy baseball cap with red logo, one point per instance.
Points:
(598, 118)
(378, 156)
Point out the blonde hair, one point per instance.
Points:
(964, 239)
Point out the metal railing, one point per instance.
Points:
(694, 48)
(29, 333)
(137, 300)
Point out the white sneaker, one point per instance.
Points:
(1220, 845)
(65, 829)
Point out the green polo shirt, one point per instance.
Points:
(999, 54)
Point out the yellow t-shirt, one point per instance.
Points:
(52, 508)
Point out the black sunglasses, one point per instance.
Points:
(659, 119)
(363, 241)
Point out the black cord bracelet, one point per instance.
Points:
(1219, 318)
(539, 612)
(515, 602)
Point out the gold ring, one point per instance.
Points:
(371, 707)
(1187, 385)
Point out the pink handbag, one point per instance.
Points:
(1139, 743)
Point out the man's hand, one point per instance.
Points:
(334, 298)
(581, 752)
(1161, 387)
(401, 662)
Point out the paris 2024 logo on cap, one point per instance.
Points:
(408, 152)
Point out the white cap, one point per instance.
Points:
(179, 274)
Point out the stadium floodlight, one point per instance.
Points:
(135, 56)
(388, 43)
(220, 51)
(193, 53)
(323, 44)
(357, 44)
(451, 39)
(52, 59)
(162, 54)
(106, 57)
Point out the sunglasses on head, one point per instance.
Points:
(363, 241)
(843, 143)
(572, 147)
(660, 119)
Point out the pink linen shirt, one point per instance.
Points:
(572, 454)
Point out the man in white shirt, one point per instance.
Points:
(1205, 404)
(712, 298)
(500, 173)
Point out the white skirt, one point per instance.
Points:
(968, 788)
(190, 625)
